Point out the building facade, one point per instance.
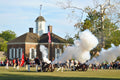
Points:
(29, 43)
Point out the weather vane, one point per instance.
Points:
(40, 9)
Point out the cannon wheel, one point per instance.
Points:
(82, 67)
(51, 69)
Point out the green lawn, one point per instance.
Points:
(22, 74)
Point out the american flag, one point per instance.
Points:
(49, 36)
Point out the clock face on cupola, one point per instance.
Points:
(40, 24)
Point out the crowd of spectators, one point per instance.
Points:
(68, 65)
(104, 65)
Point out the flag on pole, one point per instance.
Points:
(49, 36)
(22, 61)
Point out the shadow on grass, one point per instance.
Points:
(24, 77)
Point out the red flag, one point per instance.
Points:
(22, 61)
(49, 40)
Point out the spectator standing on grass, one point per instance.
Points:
(52, 61)
(28, 64)
(1, 62)
(14, 63)
(41, 65)
(18, 63)
(69, 68)
(6, 62)
(60, 66)
(37, 62)
(67, 65)
(10, 63)
(72, 65)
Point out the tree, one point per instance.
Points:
(114, 38)
(3, 45)
(92, 22)
(69, 39)
(99, 20)
(8, 35)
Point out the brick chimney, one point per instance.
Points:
(31, 30)
(50, 28)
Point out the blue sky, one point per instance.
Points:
(19, 15)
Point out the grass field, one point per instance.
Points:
(22, 74)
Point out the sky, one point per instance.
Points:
(20, 15)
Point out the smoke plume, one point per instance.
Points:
(109, 55)
(81, 48)
(43, 49)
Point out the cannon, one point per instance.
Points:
(82, 67)
(47, 67)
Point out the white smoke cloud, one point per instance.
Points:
(109, 55)
(43, 49)
(81, 48)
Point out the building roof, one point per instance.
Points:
(40, 18)
(54, 38)
(34, 38)
(27, 37)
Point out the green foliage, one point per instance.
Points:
(8, 35)
(3, 58)
(93, 23)
(3, 45)
(76, 36)
(1, 40)
(69, 39)
(115, 39)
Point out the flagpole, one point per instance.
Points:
(49, 41)
(48, 50)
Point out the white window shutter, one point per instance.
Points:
(35, 53)
(13, 52)
(21, 54)
(17, 53)
(55, 53)
(30, 54)
(10, 56)
(60, 52)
